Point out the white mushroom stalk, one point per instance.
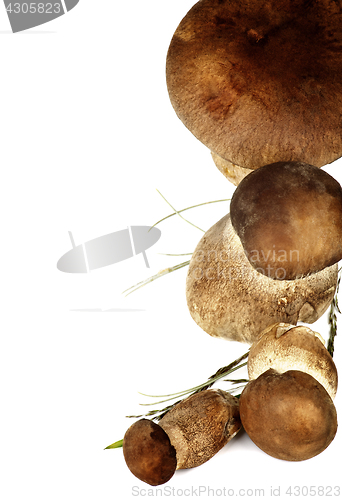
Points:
(284, 347)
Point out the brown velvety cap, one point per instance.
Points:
(290, 416)
(260, 82)
(148, 452)
(288, 216)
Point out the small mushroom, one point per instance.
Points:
(259, 82)
(288, 415)
(229, 299)
(286, 347)
(288, 216)
(188, 435)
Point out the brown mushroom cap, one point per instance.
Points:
(229, 299)
(284, 347)
(290, 416)
(260, 82)
(199, 426)
(148, 452)
(288, 216)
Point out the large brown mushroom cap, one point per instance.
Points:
(229, 299)
(286, 347)
(148, 452)
(260, 82)
(201, 425)
(290, 416)
(288, 216)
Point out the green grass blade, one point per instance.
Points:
(332, 319)
(176, 254)
(155, 276)
(188, 208)
(222, 373)
(117, 444)
(178, 213)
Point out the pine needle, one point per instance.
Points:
(178, 266)
(178, 213)
(334, 308)
(154, 413)
(176, 254)
(155, 276)
(222, 372)
(184, 209)
(236, 381)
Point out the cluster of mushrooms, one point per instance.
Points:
(286, 408)
(259, 83)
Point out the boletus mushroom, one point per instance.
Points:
(229, 299)
(273, 258)
(288, 415)
(260, 82)
(191, 433)
(286, 347)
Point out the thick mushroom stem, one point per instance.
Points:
(201, 425)
(232, 172)
(286, 347)
(229, 299)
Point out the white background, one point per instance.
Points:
(87, 136)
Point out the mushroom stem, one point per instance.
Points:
(234, 173)
(230, 299)
(201, 425)
(284, 347)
